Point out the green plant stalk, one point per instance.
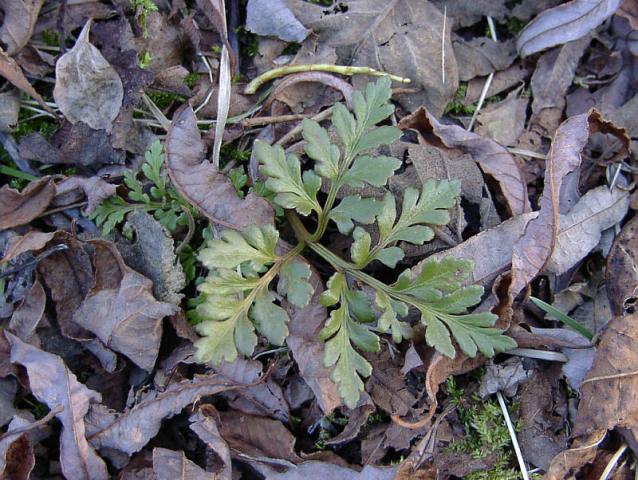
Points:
(252, 87)
(561, 317)
(342, 265)
(14, 172)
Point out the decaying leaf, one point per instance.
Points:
(54, 384)
(95, 189)
(319, 469)
(491, 157)
(131, 430)
(580, 230)
(534, 249)
(482, 56)
(205, 427)
(9, 109)
(202, 184)
(622, 270)
(153, 255)
(172, 465)
(19, 208)
(16, 452)
(26, 317)
(279, 22)
(19, 20)
(87, 87)
(389, 36)
(121, 310)
(307, 350)
(504, 122)
(564, 23)
(10, 70)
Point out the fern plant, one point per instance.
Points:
(238, 302)
(161, 199)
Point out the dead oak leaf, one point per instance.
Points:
(19, 19)
(121, 310)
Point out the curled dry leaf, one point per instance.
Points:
(19, 208)
(622, 270)
(201, 183)
(95, 189)
(307, 349)
(16, 452)
(18, 245)
(534, 249)
(54, 384)
(131, 430)
(564, 23)
(172, 465)
(493, 159)
(87, 87)
(19, 19)
(121, 310)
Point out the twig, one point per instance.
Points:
(609, 377)
(252, 87)
(210, 79)
(443, 45)
(526, 153)
(258, 121)
(488, 82)
(613, 462)
(297, 130)
(35, 261)
(27, 428)
(510, 428)
(156, 112)
(61, 209)
(189, 234)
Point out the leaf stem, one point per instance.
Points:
(252, 87)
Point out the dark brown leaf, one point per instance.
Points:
(253, 436)
(491, 157)
(16, 456)
(481, 56)
(53, 383)
(19, 208)
(504, 122)
(172, 465)
(202, 184)
(564, 23)
(121, 310)
(622, 270)
(87, 87)
(131, 430)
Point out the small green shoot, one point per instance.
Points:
(561, 317)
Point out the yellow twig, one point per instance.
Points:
(339, 69)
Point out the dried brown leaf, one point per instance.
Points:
(482, 56)
(491, 157)
(9, 109)
(253, 436)
(121, 310)
(581, 229)
(388, 36)
(19, 20)
(16, 455)
(307, 349)
(622, 270)
(172, 465)
(629, 10)
(265, 399)
(53, 383)
(87, 87)
(131, 430)
(202, 184)
(10, 70)
(205, 427)
(279, 22)
(317, 469)
(19, 208)
(534, 249)
(95, 189)
(504, 122)
(564, 23)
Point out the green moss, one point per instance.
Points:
(456, 106)
(51, 38)
(191, 79)
(485, 434)
(165, 99)
(145, 59)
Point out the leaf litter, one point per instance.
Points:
(117, 251)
